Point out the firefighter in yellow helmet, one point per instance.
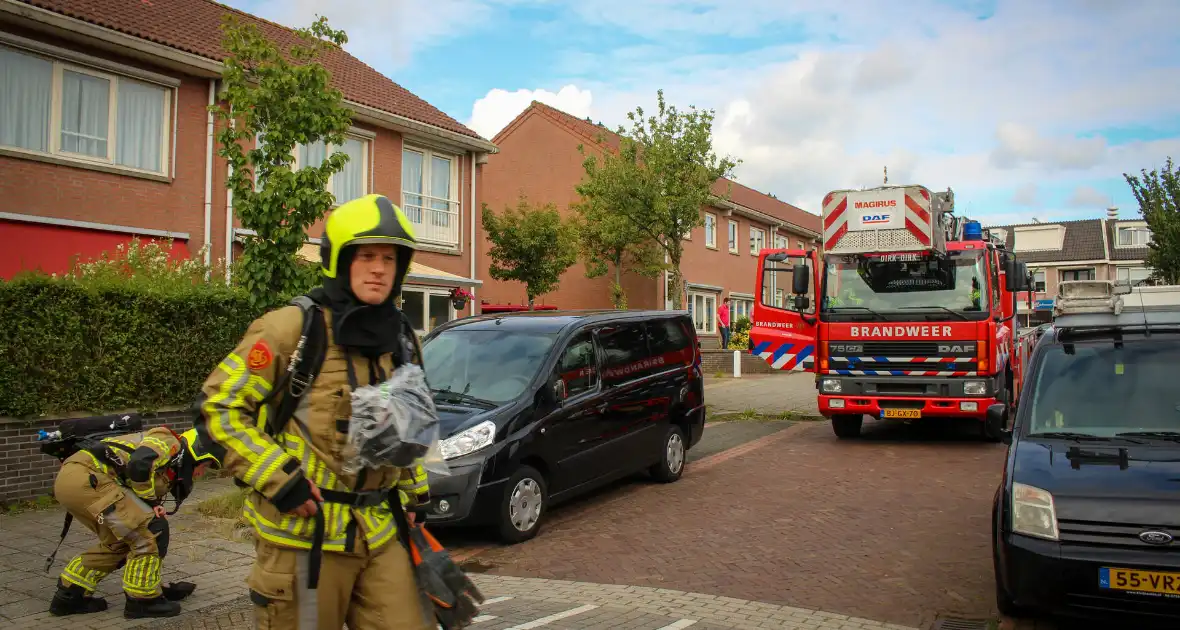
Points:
(327, 549)
(116, 486)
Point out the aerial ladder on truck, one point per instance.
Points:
(909, 313)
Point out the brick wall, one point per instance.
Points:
(714, 361)
(25, 473)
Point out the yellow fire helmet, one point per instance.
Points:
(194, 451)
(369, 219)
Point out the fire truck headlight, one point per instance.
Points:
(830, 386)
(975, 388)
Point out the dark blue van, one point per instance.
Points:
(1086, 520)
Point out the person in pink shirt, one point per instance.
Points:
(723, 322)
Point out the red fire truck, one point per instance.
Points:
(910, 313)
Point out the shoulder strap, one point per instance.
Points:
(304, 366)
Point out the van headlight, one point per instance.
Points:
(469, 441)
(1033, 513)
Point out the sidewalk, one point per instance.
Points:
(767, 394)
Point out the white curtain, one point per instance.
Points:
(440, 188)
(412, 184)
(85, 114)
(26, 94)
(312, 154)
(348, 184)
(139, 125)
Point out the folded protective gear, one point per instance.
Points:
(444, 587)
(394, 423)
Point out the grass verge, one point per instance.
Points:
(43, 502)
(753, 415)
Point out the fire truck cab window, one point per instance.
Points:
(777, 282)
(958, 283)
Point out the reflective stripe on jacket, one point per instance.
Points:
(141, 461)
(232, 420)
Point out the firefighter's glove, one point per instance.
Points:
(452, 595)
(393, 423)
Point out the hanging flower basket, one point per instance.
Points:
(459, 297)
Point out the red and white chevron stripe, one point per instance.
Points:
(918, 220)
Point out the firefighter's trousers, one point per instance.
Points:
(368, 590)
(128, 532)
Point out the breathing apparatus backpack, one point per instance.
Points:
(75, 434)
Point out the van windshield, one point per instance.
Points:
(490, 365)
(1103, 388)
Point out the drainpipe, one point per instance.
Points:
(209, 173)
(472, 214)
(229, 219)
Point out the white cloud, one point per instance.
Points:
(938, 96)
(1088, 197)
(1027, 194)
(493, 112)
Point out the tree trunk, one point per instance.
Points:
(676, 282)
(618, 297)
(532, 300)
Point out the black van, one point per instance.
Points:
(538, 407)
(1086, 520)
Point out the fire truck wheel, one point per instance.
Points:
(847, 426)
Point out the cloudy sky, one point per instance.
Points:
(1026, 108)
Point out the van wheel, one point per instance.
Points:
(672, 456)
(847, 426)
(523, 506)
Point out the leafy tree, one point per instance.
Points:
(530, 244)
(283, 99)
(608, 241)
(1158, 194)
(660, 177)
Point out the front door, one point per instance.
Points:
(573, 428)
(783, 332)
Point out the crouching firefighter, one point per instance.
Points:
(116, 487)
(277, 411)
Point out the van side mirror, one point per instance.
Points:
(997, 416)
(559, 391)
(800, 279)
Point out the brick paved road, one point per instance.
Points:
(893, 527)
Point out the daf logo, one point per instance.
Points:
(947, 348)
(853, 348)
(1156, 537)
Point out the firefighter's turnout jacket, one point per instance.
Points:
(111, 488)
(232, 419)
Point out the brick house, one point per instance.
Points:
(538, 157)
(105, 136)
(1108, 248)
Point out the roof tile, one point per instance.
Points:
(1083, 241)
(194, 26)
(1123, 253)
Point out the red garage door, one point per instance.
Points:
(54, 248)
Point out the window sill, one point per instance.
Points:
(735, 253)
(712, 247)
(61, 160)
(451, 250)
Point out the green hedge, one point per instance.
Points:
(105, 344)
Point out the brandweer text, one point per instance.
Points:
(901, 331)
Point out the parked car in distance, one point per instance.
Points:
(539, 407)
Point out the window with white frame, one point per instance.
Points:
(1039, 281)
(757, 240)
(733, 232)
(430, 194)
(352, 181)
(740, 307)
(710, 230)
(703, 308)
(801, 245)
(1134, 275)
(427, 308)
(1134, 236)
(52, 107)
(780, 241)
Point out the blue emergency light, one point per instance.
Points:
(972, 231)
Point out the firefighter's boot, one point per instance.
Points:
(156, 607)
(74, 600)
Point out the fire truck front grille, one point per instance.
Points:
(900, 349)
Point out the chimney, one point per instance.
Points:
(1112, 213)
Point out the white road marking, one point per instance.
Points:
(678, 625)
(483, 618)
(496, 600)
(544, 621)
